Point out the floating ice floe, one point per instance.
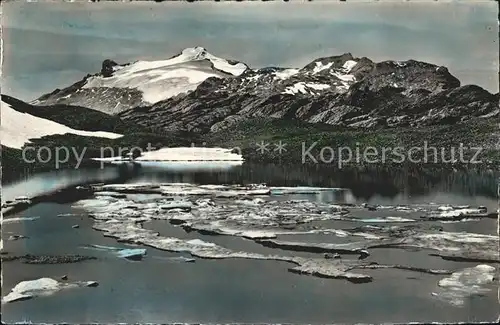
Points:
(459, 246)
(111, 194)
(246, 231)
(347, 248)
(41, 287)
(132, 254)
(132, 232)
(465, 283)
(262, 220)
(256, 218)
(128, 253)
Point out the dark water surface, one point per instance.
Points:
(239, 290)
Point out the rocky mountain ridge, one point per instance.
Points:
(338, 90)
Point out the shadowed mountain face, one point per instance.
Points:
(199, 92)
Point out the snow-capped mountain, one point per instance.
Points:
(18, 128)
(197, 91)
(119, 87)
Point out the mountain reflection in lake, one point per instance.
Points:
(364, 184)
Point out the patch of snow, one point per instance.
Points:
(18, 128)
(320, 67)
(285, 74)
(317, 86)
(253, 78)
(301, 87)
(348, 65)
(221, 64)
(162, 79)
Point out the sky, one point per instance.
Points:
(52, 45)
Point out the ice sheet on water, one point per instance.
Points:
(128, 253)
(39, 287)
(263, 217)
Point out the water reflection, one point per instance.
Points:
(392, 183)
(45, 182)
(382, 185)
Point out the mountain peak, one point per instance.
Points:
(327, 90)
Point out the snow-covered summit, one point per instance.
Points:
(199, 53)
(162, 79)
